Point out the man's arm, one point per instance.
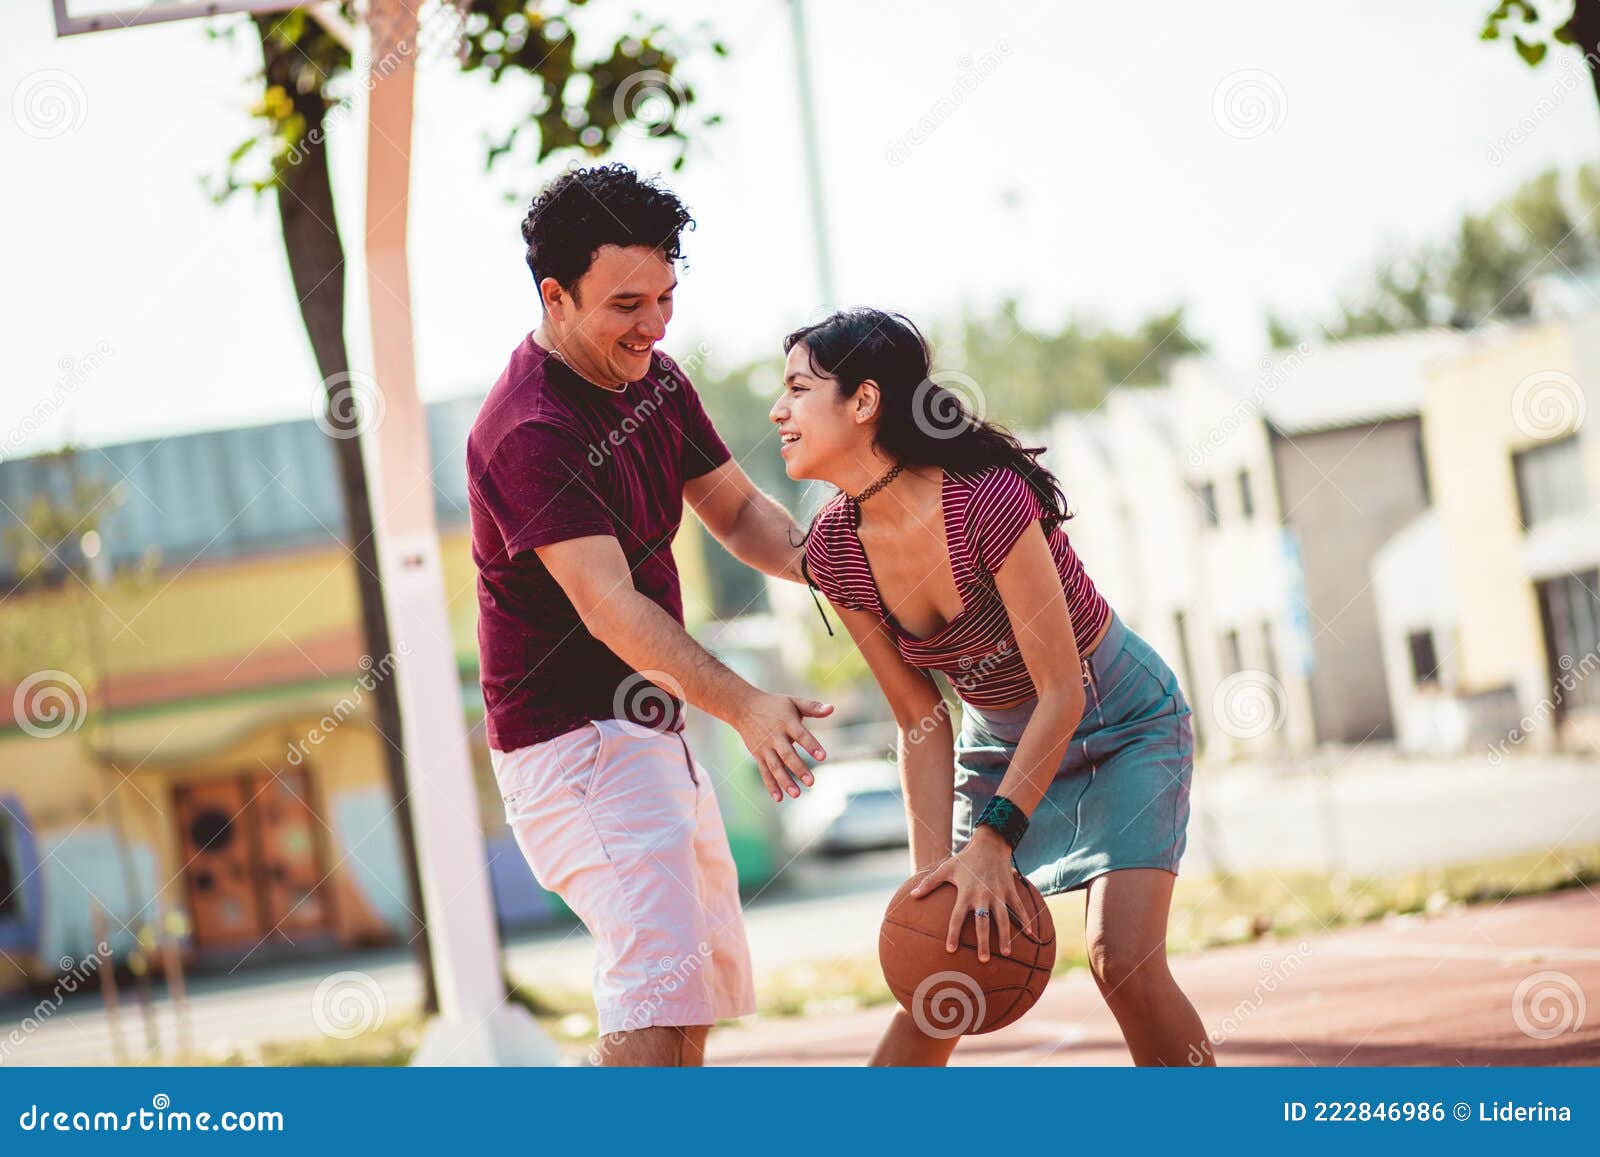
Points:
(753, 525)
(594, 573)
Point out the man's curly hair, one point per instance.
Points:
(584, 209)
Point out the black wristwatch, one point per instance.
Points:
(1006, 818)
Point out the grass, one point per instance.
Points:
(1207, 911)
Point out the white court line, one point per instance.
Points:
(1517, 955)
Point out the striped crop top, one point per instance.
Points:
(984, 514)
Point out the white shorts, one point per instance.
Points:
(618, 821)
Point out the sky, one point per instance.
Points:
(1087, 159)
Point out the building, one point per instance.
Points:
(185, 722)
(1324, 445)
(1490, 604)
(1177, 524)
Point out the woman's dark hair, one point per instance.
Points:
(584, 209)
(923, 422)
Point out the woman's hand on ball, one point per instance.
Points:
(985, 881)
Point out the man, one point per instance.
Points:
(578, 467)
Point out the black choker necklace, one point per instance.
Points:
(889, 476)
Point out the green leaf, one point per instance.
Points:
(1565, 34)
(1532, 53)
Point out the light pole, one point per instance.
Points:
(808, 136)
(476, 1024)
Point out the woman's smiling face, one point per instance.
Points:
(818, 429)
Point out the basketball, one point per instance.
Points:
(954, 993)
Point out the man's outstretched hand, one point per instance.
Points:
(771, 725)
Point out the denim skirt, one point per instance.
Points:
(1120, 798)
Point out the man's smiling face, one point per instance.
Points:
(611, 320)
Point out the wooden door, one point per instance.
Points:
(254, 860)
(216, 841)
(291, 870)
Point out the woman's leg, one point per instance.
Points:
(1125, 923)
(905, 1045)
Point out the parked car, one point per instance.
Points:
(856, 806)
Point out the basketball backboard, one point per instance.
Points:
(76, 16)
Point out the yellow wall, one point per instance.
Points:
(68, 794)
(1470, 433)
(180, 619)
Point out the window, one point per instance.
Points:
(1232, 657)
(1206, 494)
(1269, 653)
(1422, 470)
(1246, 506)
(1424, 659)
(1549, 481)
(1570, 608)
(1180, 627)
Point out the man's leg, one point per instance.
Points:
(732, 983)
(665, 1046)
(694, 1045)
(606, 816)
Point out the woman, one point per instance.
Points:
(944, 553)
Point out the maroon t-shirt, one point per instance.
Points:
(552, 457)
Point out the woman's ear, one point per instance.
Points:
(867, 401)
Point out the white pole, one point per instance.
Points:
(808, 136)
(476, 1025)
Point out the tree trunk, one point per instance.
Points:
(317, 265)
(1586, 31)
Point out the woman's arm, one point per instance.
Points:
(926, 739)
(1030, 587)
(983, 875)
